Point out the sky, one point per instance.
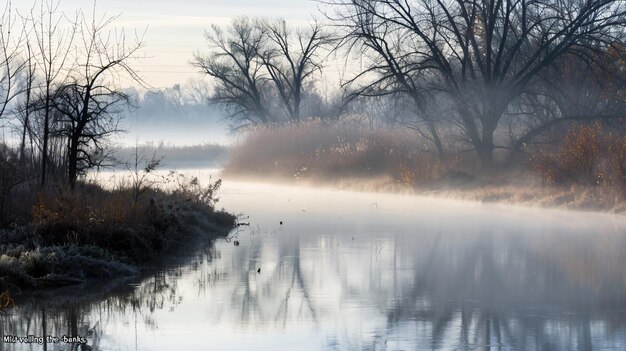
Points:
(175, 28)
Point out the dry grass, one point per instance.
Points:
(575, 197)
(320, 150)
(118, 221)
(585, 172)
(90, 232)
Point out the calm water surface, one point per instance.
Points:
(361, 271)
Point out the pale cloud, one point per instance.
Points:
(170, 21)
(183, 21)
(175, 29)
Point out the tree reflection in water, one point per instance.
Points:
(395, 289)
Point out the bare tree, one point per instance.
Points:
(24, 108)
(90, 105)
(292, 58)
(54, 36)
(573, 90)
(391, 65)
(484, 54)
(197, 92)
(261, 66)
(11, 63)
(234, 63)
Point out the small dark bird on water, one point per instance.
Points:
(281, 222)
(258, 270)
(236, 242)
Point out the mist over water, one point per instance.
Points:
(160, 118)
(508, 101)
(350, 270)
(175, 133)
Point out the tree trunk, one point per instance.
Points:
(23, 141)
(486, 147)
(485, 154)
(73, 161)
(46, 135)
(437, 140)
(26, 121)
(297, 101)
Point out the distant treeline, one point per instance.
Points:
(174, 156)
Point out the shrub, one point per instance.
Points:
(617, 150)
(118, 221)
(190, 190)
(588, 155)
(12, 272)
(47, 266)
(60, 236)
(13, 173)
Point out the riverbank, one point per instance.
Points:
(586, 170)
(331, 242)
(90, 233)
(528, 194)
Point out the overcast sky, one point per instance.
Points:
(175, 27)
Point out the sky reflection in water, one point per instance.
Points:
(361, 271)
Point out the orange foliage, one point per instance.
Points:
(588, 155)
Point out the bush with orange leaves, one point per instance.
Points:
(588, 155)
(618, 150)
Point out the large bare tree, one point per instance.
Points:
(484, 54)
(90, 104)
(240, 76)
(390, 66)
(261, 69)
(292, 57)
(573, 90)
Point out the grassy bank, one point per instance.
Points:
(60, 236)
(585, 170)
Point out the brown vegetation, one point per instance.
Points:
(114, 221)
(59, 236)
(325, 150)
(584, 171)
(588, 155)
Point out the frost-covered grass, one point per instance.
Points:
(58, 265)
(70, 236)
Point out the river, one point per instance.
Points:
(328, 269)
